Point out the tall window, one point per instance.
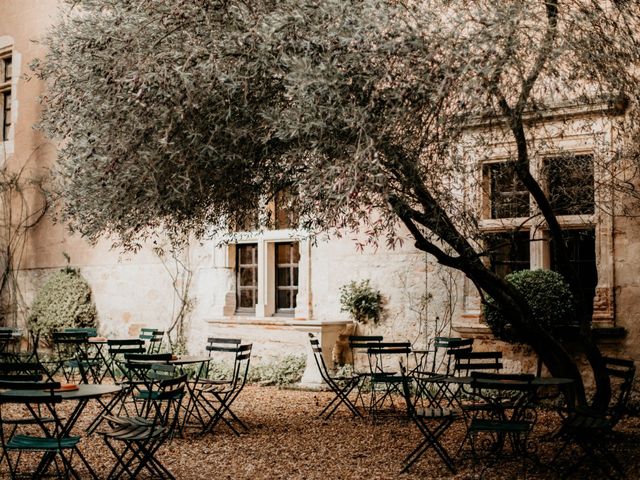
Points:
(570, 184)
(508, 198)
(581, 244)
(517, 239)
(6, 75)
(247, 277)
(508, 252)
(287, 258)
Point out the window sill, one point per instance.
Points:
(275, 321)
(248, 319)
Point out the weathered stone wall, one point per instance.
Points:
(132, 291)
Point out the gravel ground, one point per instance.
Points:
(287, 441)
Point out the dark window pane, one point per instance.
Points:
(508, 252)
(247, 254)
(284, 299)
(570, 181)
(582, 256)
(284, 277)
(507, 195)
(247, 277)
(246, 299)
(8, 69)
(295, 276)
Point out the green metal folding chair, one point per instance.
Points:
(53, 443)
(432, 423)
(141, 437)
(340, 385)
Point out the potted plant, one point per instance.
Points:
(363, 302)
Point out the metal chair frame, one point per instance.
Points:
(381, 376)
(216, 400)
(357, 344)
(142, 437)
(424, 418)
(153, 339)
(55, 440)
(341, 386)
(591, 431)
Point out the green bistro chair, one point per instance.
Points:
(218, 398)
(142, 436)
(223, 353)
(341, 385)
(54, 442)
(152, 338)
(432, 422)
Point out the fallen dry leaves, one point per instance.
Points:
(288, 441)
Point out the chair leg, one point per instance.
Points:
(341, 397)
(430, 441)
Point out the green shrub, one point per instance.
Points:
(220, 370)
(362, 301)
(284, 371)
(64, 301)
(549, 298)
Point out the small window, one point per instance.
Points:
(508, 197)
(287, 259)
(508, 252)
(7, 69)
(284, 213)
(6, 114)
(247, 277)
(570, 184)
(6, 74)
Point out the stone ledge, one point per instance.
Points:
(478, 330)
(276, 321)
(601, 334)
(609, 333)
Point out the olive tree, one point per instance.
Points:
(181, 116)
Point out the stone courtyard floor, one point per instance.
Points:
(287, 441)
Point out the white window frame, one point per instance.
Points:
(266, 304)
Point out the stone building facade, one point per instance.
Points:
(276, 310)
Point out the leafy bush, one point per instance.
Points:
(64, 301)
(218, 370)
(549, 298)
(362, 301)
(284, 371)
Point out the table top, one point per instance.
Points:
(84, 391)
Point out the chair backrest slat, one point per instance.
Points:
(468, 362)
(449, 345)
